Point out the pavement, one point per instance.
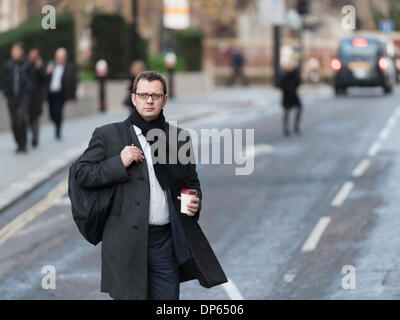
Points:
(22, 173)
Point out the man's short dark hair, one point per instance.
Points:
(150, 76)
(19, 44)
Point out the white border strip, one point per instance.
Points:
(232, 291)
(342, 194)
(375, 148)
(361, 168)
(313, 238)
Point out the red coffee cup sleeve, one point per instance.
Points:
(191, 192)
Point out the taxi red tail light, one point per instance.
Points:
(336, 64)
(360, 43)
(383, 64)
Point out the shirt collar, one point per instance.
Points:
(137, 130)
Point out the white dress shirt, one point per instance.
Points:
(159, 213)
(56, 78)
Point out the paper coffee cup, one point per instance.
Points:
(186, 196)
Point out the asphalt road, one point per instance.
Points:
(312, 206)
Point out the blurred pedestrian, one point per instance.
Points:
(62, 84)
(38, 93)
(289, 81)
(237, 64)
(136, 67)
(312, 70)
(17, 87)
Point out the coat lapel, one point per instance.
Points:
(142, 165)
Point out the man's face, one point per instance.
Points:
(16, 53)
(33, 55)
(149, 108)
(61, 56)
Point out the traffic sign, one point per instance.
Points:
(386, 25)
(176, 14)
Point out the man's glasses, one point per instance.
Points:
(154, 96)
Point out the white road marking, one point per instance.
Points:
(375, 148)
(361, 168)
(342, 194)
(253, 151)
(391, 122)
(289, 277)
(384, 134)
(313, 239)
(24, 218)
(232, 291)
(262, 148)
(78, 276)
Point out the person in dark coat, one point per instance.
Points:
(290, 80)
(237, 64)
(38, 93)
(148, 246)
(17, 87)
(62, 85)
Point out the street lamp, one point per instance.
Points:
(101, 72)
(170, 63)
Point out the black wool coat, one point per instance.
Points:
(289, 83)
(39, 91)
(124, 244)
(69, 80)
(26, 80)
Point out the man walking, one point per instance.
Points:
(148, 245)
(237, 64)
(37, 95)
(17, 87)
(62, 86)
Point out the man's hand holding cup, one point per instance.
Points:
(189, 202)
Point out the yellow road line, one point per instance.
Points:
(32, 213)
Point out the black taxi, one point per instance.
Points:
(364, 61)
